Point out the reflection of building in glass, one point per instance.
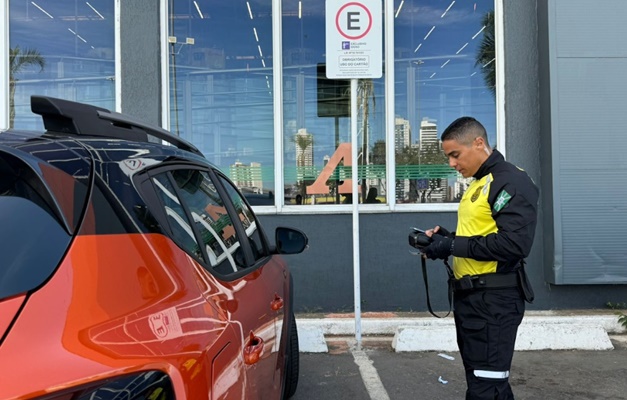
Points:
(207, 57)
(402, 133)
(402, 139)
(247, 176)
(457, 187)
(428, 133)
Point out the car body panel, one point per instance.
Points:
(118, 299)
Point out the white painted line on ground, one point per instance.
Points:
(369, 374)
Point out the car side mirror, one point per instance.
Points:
(290, 240)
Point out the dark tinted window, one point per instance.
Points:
(32, 243)
(245, 214)
(178, 222)
(190, 195)
(67, 175)
(18, 180)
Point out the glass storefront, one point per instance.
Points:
(222, 81)
(221, 87)
(61, 49)
(444, 68)
(222, 98)
(316, 118)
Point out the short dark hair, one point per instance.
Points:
(465, 130)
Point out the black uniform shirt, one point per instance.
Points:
(496, 219)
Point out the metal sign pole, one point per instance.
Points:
(355, 181)
(353, 51)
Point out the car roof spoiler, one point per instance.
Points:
(74, 118)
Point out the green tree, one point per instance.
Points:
(486, 53)
(18, 60)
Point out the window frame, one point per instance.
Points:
(4, 60)
(388, 38)
(145, 186)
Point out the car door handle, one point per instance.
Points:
(253, 349)
(277, 303)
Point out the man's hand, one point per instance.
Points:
(440, 230)
(440, 247)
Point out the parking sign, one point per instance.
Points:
(353, 39)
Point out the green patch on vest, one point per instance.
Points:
(502, 200)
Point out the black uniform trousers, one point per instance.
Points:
(486, 321)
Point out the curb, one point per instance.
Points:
(537, 332)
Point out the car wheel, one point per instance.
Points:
(291, 367)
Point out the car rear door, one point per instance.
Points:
(230, 251)
(271, 268)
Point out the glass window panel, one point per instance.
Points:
(182, 232)
(62, 49)
(316, 124)
(444, 68)
(249, 222)
(221, 93)
(212, 220)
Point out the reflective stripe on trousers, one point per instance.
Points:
(480, 373)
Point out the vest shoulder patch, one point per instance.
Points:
(501, 200)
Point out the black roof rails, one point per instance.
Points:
(74, 118)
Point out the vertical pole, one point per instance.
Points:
(337, 144)
(4, 61)
(355, 181)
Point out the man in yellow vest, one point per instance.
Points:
(495, 230)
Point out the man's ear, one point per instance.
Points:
(479, 143)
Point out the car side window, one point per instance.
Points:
(181, 229)
(246, 215)
(211, 219)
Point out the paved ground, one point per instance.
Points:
(376, 372)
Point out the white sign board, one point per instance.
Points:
(354, 46)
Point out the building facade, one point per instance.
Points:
(245, 82)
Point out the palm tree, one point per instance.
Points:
(303, 142)
(365, 95)
(486, 52)
(18, 60)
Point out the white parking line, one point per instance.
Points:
(369, 374)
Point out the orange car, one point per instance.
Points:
(133, 269)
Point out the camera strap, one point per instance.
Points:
(450, 280)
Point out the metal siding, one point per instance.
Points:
(588, 114)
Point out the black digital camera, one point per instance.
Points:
(419, 239)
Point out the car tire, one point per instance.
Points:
(292, 364)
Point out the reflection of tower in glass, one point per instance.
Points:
(428, 133)
(247, 177)
(304, 154)
(402, 139)
(401, 133)
(436, 188)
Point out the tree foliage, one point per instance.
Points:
(486, 53)
(18, 60)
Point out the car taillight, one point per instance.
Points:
(138, 386)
